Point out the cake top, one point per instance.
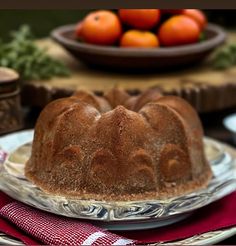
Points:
(117, 97)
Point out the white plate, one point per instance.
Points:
(135, 215)
(230, 124)
(8, 240)
(207, 238)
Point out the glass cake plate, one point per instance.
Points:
(116, 215)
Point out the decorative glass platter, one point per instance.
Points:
(122, 215)
(8, 240)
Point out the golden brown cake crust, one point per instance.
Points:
(118, 147)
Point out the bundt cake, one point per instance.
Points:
(118, 147)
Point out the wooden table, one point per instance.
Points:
(205, 88)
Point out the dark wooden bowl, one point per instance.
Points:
(114, 57)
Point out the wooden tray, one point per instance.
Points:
(206, 89)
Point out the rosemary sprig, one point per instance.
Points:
(31, 62)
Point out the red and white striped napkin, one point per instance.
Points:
(56, 230)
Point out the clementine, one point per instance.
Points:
(141, 39)
(100, 27)
(144, 19)
(196, 15)
(179, 30)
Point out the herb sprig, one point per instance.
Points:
(225, 57)
(31, 62)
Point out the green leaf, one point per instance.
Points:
(225, 57)
(22, 54)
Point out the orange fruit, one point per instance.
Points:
(196, 15)
(143, 19)
(179, 30)
(100, 27)
(141, 39)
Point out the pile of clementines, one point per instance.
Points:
(142, 27)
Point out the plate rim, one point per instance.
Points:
(227, 122)
(213, 237)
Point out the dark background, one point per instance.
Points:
(43, 21)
